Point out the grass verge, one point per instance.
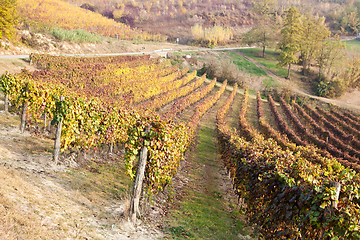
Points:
(247, 66)
(205, 211)
(353, 45)
(269, 62)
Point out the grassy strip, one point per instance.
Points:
(247, 66)
(353, 45)
(269, 62)
(205, 213)
(78, 35)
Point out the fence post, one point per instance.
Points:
(23, 111)
(140, 174)
(58, 138)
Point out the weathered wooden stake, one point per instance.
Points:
(45, 119)
(6, 103)
(58, 138)
(140, 174)
(337, 186)
(111, 150)
(23, 112)
(23, 117)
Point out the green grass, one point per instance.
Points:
(78, 36)
(269, 62)
(204, 213)
(247, 66)
(353, 45)
(270, 82)
(202, 217)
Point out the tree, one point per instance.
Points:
(291, 36)
(350, 21)
(8, 18)
(265, 31)
(327, 55)
(314, 33)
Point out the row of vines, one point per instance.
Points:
(293, 189)
(110, 101)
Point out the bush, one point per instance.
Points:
(211, 37)
(222, 70)
(329, 88)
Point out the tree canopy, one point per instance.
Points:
(291, 33)
(8, 18)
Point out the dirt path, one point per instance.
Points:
(205, 206)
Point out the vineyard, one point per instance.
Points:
(296, 166)
(294, 189)
(107, 102)
(56, 13)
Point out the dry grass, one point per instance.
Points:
(42, 200)
(30, 211)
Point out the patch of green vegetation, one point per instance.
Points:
(206, 149)
(252, 92)
(269, 62)
(78, 36)
(246, 66)
(270, 82)
(203, 217)
(353, 45)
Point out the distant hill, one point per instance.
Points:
(57, 13)
(174, 18)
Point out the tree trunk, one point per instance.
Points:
(264, 45)
(288, 74)
(264, 51)
(304, 65)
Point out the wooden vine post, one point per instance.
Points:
(58, 137)
(337, 187)
(140, 174)
(6, 103)
(24, 110)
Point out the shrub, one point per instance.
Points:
(79, 36)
